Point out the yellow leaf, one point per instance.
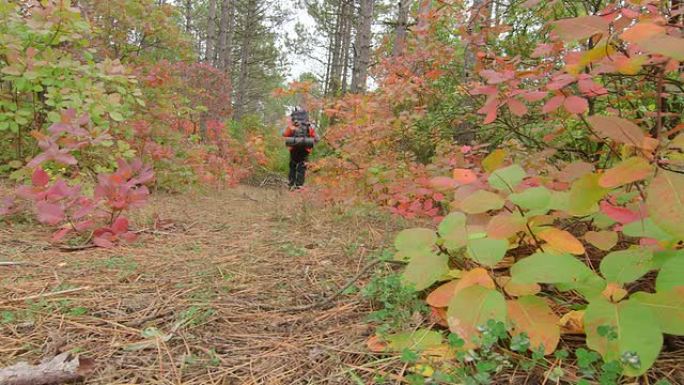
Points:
(494, 160)
(561, 240)
(572, 322)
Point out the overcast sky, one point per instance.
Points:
(298, 66)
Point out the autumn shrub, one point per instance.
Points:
(567, 217)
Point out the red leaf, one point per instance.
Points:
(553, 104)
(49, 213)
(40, 178)
(576, 105)
(534, 96)
(60, 234)
(103, 242)
(619, 214)
(517, 107)
(120, 225)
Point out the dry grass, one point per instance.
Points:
(203, 277)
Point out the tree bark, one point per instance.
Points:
(362, 46)
(245, 56)
(346, 44)
(337, 54)
(226, 33)
(188, 16)
(210, 54)
(401, 29)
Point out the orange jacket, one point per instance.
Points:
(289, 131)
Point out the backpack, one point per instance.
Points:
(301, 137)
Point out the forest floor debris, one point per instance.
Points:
(191, 301)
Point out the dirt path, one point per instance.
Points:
(192, 303)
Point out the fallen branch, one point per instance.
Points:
(61, 369)
(44, 295)
(15, 263)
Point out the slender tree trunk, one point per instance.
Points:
(227, 31)
(346, 44)
(188, 16)
(210, 54)
(362, 46)
(337, 56)
(241, 97)
(401, 29)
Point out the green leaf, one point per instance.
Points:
(481, 201)
(560, 201)
(414, 242)
(420, 340)
(116, 116)
(661, 257)
(425, 269)
(645, 229)
(473, 307)
(532, 198)
(668, 308)
(550, 268)
(487, 251)
(636, 328)
(626, 265)
(590, 287)
(671, 275)
(533, 316)
(665, 202)
(585, 194)
(507, 178)
(453, 231)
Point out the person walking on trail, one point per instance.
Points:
(300, 137)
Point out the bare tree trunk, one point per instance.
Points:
(210, 54)
(346, 44)
(188, 16)
(362, 46)
(226, 33)
(401, 29)
(337, 56)
(241, 99)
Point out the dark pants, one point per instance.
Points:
(298, 159)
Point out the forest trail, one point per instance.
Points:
(192, 301)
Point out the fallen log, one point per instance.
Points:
(61, 369)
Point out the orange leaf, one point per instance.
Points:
(561, 241)
(441, 296)
(464, 175)
(628, 171)
(438, 315)
(579, 28)
(642, 31)
(517, 289)
(603, 240)
(376, 345)
(504, 226)
(533, 315)
(477, 276)
(619, 130)
(614, 292)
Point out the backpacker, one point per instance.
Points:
(302, 136)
